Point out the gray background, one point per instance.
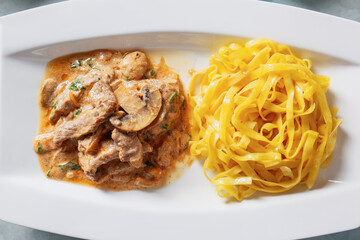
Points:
(343, 8)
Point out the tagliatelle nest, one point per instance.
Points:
(262, 119)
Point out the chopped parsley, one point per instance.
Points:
(51, 116)
(89, 62)
(76, 64)
(165, 126)
(77, 112)
(126, 78)
(185, 146)
(55, 105)
(144, 76)
(69, 166)
(48, 174)
(152, 73)
(76, 85)
(171, 99)
(182, 106)
(187, 142)
(39, 148)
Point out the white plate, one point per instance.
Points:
(190, 206)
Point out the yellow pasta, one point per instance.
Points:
(261, 118)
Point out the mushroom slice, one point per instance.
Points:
(47, 92)
(141, 101)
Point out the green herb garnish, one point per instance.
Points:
(126, 78)
(76, 64)
(172, 97)
(89, 62)
(97, 68)
(144, 76)
(51, 116)
(77, 112)
(165, 126)
(182, 106)
(187, 142)
(48, 174)
(39, 148)
(69, 166)
(76, 85)
(185, 146)
(152, 73)
(55, 105)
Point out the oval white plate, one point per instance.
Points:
(189, 207)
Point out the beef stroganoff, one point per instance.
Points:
(111, 120)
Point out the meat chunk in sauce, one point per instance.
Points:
(103, 105)
(45, 143)
(69, 98)
(91, 162)
(114, 116)
(129, 147)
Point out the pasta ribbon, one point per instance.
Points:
(261, 118)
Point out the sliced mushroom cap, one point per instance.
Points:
(133, 66)
(141, 101)
(47, 92)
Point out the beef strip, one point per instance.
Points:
(141, 178)
(103, 105)
(45, 143)
(92, 142)
(68, 99)
(171, 147)
(129, 147)
(63, 106)
(152, 178)
(117, 171)
(90, 162)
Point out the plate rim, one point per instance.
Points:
(16, 18)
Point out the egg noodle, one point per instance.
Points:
(261, 119)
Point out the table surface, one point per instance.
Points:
(349, 9)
